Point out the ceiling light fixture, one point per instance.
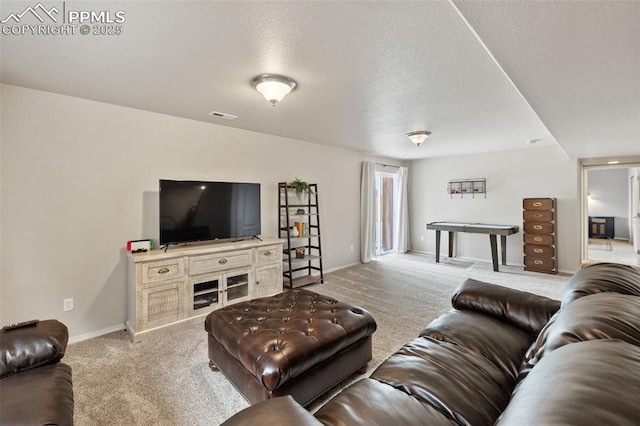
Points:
(613, 162)
(419, 136)
(273, 87)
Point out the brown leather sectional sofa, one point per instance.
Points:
(502, 357)
(35, 388)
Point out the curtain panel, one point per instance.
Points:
(367, 212)
(401, 225)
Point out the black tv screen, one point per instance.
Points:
(202, 211)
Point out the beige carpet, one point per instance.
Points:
(166, 380)
(601, 244)
(620, 251)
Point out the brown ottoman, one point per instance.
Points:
(296, 343)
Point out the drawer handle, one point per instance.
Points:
(537, 204)
(222, 261)
(537, 238)
(537, 227)
(538, 262)
(267, 253)
(538, 250)
(537, 215)
(163, 270)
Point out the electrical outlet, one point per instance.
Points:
(67, 304)
(421, 237)
(351, 248)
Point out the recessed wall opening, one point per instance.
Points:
(611, 213)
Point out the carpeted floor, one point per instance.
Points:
(609, 250)
(600, 244)
(166, 381)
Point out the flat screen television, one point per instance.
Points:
(202, 211)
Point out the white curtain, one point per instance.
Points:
(401, 225)
(367, 212)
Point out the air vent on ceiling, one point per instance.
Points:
(223, 115)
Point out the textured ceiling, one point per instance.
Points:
(483, 76)
(576, 62)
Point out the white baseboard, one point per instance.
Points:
(326, 271)
(97, 333)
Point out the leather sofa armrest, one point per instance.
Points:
(527, 311)
(31, 347)
(282, 411)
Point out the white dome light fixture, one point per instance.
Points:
(419, 136)
(273, 87)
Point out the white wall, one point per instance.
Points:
(609, 196)
(80, 178)
(511, 176)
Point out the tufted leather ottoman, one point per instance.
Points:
(296, 343)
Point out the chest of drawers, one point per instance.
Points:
(540, 236)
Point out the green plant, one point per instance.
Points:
(300, 187)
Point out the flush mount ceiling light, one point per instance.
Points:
(273, 87)
(419, 136)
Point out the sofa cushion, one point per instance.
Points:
(463, 385)
(369, 402)
(587, 383)
(527, 311)
(602, 277)
(505, 346)
(42, 396)
(598, 316)
(30, 347)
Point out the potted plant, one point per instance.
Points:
(301, 188)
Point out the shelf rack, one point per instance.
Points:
(473, 186)
(298, 272)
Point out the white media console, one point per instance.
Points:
(184, 284)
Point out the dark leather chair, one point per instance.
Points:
(35, 387)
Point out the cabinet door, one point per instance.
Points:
(268, 280)
(204, 294)
(236, 285)
(162, 303)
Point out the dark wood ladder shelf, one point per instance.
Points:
(300, 271)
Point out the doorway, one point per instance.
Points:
(385, 200)
(610, 213)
